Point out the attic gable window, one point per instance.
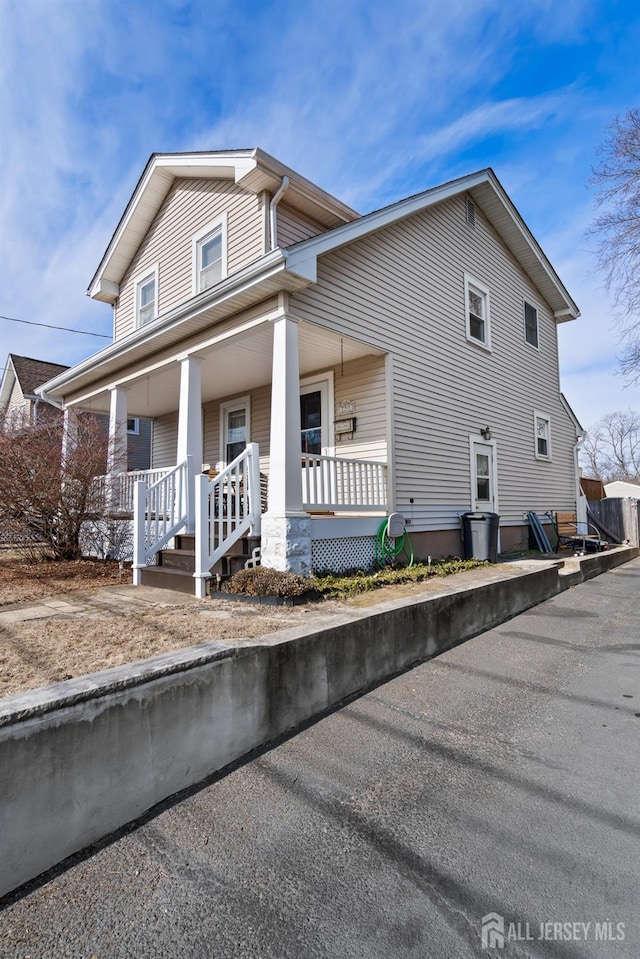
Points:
(147, 297)
(476, 296)
(210, 255)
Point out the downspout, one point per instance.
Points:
(273, 223)
(581, 500)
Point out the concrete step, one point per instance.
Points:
(166, 578)
(184, 559)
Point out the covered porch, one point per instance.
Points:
(269, 426)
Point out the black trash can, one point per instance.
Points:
(480, 536)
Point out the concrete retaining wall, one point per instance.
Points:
(80, 759)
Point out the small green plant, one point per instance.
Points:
(342, 587)
(263, 581)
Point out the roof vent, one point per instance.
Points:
(470, 211)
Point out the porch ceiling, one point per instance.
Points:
(238, 366)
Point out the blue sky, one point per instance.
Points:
(372, 100)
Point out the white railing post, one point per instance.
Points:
(202, 574)
(255, 499)
(139, 546)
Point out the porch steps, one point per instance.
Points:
(175, 567)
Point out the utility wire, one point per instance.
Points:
(50, 326)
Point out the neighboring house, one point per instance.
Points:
(22, 408)
(406, 360)
(621, 489)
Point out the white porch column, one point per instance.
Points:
(117, 447)
(190, 428)
(286, 528)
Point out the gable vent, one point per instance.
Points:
(470, 210)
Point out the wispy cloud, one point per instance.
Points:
(372, 100)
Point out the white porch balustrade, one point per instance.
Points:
(113, 493)
(332, 484)
(227, 507)
(160, 512)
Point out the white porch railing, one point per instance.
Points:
(115, 491)
(160, 512)
(332, 484)
(226, 507)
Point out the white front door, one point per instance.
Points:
(483, 477)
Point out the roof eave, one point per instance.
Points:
(253, 169)
(255, 277)
(303, 255)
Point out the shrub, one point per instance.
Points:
(263, 581)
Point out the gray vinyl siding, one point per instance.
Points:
(164, 446)
(139, 447)
(362, 383)
(190, 205)
(294, 226)
(259, 422)
(402, 290)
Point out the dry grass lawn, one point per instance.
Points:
(102, 623)
(109, 627)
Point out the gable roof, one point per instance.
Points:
(295, 267)
(29, 373)
(253, 169)
(488, 193)
(33, 373)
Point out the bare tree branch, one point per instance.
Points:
(617, 228)
(611, 450)
(45, 498)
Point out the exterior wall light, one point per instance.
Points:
(485, 433)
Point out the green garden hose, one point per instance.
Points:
(388, 549)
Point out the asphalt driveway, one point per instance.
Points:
(501, 778)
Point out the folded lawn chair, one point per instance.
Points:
(579, 537)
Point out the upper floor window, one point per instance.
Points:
(531, 324)
(147, 297)
(476, 296)
(543, 436)
(210, 255)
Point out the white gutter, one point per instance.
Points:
(273, 223)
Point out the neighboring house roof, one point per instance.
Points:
(29, 373)
(291, 268)
(254, 170)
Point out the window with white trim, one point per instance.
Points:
(531, 324)
(476, 296)
(210, 255)
(147, 297)
(542, 436)
(133, 425)
(234, 428)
